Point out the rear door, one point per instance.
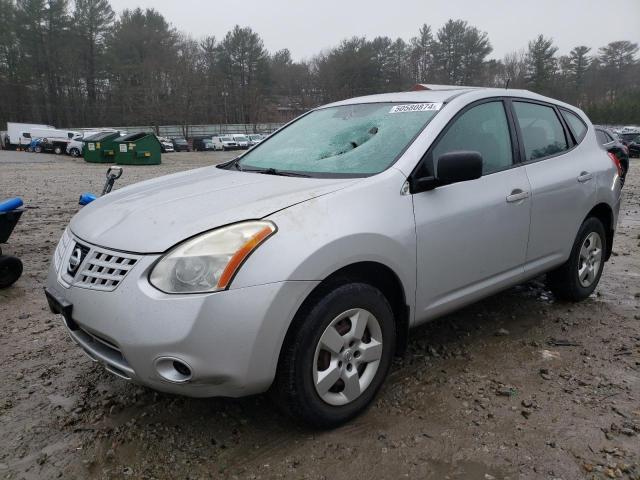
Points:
(562, 182)
(472, 236)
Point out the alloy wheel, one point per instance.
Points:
(347, 356)
(590, 259)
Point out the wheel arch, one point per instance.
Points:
(604, 213)
(375, 274)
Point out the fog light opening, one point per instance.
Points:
(173, 369)
(181, 368)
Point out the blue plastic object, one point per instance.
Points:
(11, 204)
(86, 198)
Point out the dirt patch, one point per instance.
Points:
(516, 386)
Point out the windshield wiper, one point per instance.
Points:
(273, 171)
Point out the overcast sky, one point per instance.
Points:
(306, 27)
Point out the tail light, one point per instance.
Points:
(616, 162)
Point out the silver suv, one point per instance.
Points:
(302, 264)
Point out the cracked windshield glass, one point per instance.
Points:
(361, 139)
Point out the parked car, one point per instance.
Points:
(76, 144)
(223, 142)
(254, 139)
(614, 146)
(166, 145)
(301, 265)
(180, 144)
(632, 142)
(241, 139)
(203, 144)
(74, 147)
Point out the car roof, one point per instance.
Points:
(445, 93)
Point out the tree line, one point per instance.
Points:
(81, 64)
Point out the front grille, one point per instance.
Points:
(102, 270)
(99, 268)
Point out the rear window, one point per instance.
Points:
(577, 126)
(542, 132)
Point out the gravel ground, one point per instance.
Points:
(516, 386)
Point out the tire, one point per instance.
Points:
(37, 149)
(10, 270)
(74, 152)
(57, 150)
(333, 317)
(588, 252)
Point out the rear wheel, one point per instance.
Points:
(578, 277)
(74, 152)
(37, 149)
(10, 270)
(57, 150)
(337, 355)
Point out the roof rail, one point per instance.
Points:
(431, 86)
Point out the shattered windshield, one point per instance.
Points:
(361, 139)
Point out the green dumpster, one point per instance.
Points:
(99, 148)
(139, 148)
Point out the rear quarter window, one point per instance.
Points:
(577, 126)
(602, 137)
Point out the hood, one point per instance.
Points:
(152, 216)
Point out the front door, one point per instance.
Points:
(472, 236)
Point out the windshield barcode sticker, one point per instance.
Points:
(416, 107)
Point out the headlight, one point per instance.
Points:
(208, 262)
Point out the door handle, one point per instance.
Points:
(517, 195)
(585, 177)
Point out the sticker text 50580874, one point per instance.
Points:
(415, 107)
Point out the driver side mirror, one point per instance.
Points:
(451, 167)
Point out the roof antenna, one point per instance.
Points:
(506, 85)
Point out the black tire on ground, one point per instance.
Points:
(57, 150)
(564, 282)
(10, 270)
(37, 149)
(294, 387)
(74, 152)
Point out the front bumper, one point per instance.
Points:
(231, 339)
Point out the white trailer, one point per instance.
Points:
(54, 134)
(20, 134)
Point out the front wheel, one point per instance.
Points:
(337, 355)
(57, 150)
(578, 277)
(74, 152)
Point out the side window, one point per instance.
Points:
(483, 129)
(609, 137)
(542, 132)
(602, 137)
(576, 124)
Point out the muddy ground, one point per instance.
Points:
(517, 386)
